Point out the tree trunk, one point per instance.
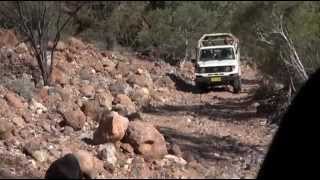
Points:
(186, 53)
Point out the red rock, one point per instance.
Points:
(89, 164)
(105, 99)
(123, 68)
(112, 128)
(146, 140)
(61, 46)
(87, 90)
(21, 48)
(14, 100)
(127, 148)
(8, 38)
(76, 43)
(58, 76)
(44, 94)
(5, 129)
(91, 109)
(140, 95)
(75, 119)
(126, 103)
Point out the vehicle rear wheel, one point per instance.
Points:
(201, 86)
(237, 86)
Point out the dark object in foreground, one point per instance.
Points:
(66, 167)
(294, 150)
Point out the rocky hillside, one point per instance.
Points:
(124, 116)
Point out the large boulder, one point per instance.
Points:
(75, 119)
(112, 128)
(146, 140)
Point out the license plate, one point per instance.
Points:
(216, 79)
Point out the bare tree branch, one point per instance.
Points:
(34, 20)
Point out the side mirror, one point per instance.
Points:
(193, 61)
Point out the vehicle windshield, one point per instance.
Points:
(217, 54)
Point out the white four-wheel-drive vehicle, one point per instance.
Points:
(218, 61)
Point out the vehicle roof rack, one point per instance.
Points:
(218, 39)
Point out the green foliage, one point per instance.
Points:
(175, 30)
(125, 23)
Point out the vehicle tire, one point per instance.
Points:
(201, 86)
(237, 86)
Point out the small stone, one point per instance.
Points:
(40, 156)
(68, 130)
(135, 116)
(55, 152)
(18, 121)
(14, 100)
(5, 129)
(105, 99)
(12, 141)
(87, 91)
(46, 127)
(176, 159)
(108, 153)
(109, 167)
(127, 148)
(27, 118)
(76, 119)
(21, 48)
(37, 107)
(60, 46)
(175, 150)
(91, 109)
(188, 156)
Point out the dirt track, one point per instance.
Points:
(221, 130)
